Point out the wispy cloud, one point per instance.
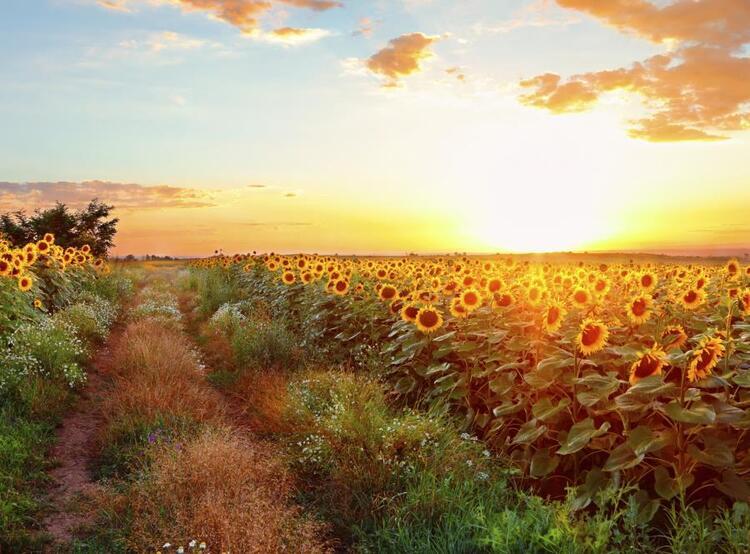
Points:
(291, 36)
(125, 196)
(537, 14)
(697, 90)
(244, 14)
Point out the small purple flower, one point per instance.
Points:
(178, 446)
(151, 438)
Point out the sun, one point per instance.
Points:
(535, 227)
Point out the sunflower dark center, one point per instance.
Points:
(591, 334)
(553, 314)
(428, 318)
(639, 307)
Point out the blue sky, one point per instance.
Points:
(163, 95)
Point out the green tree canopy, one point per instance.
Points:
(91, 225)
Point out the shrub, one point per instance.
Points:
(228, 319)
(90, 320)
(372, 468)
(49, 349)
(265, 344)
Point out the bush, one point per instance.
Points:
(385, 478)
(49, 349)
(90, 320)
(264, 345)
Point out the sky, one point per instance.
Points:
(384, 126)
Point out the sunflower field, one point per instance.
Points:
(581, 375)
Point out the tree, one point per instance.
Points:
(71, 228)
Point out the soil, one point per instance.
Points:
(74, 453)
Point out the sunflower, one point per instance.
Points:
(5, 268)
(534, 295)
(288, 277)
(647, 281)
(38, 304)
(307, 277)
(49, 238)
(409, 313)
(340, 287)
(42, 247)
(639, 309)
(458, 309)
(429, 319)
(25, 283)
(648, 363)
(553, 318)
(494, 285)
(601, 287)
(396, 306)
(593, 336)
(470, 299)
(387, 292)
(744, 299)
(733, 269)
(692, 299)
(705, 359)
(581, 297)
(674, 337)
(502, 300)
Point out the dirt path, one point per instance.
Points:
(74, 453)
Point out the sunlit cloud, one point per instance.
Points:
(126, 196)
(697, 90)
(291, 36)
(402, 57)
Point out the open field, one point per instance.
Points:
(417, 404)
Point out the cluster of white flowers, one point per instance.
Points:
(157, 304)
(48, 348)
(313, 450)
(228, 318)
(193, 546)
(89, 319)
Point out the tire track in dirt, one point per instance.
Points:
(75, 450)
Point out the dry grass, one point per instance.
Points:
(157, 373)
(214, 485)
(222, 489)
(264, 399)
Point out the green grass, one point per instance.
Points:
(23, 445)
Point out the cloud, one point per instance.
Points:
(291, 36)
(166, 40)
(456, 72)
(697, 90)
(243, 14)
(402, 57)
(125, 196)
(366, 27)
(290, 195)
(536, 14)
(257, 186)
